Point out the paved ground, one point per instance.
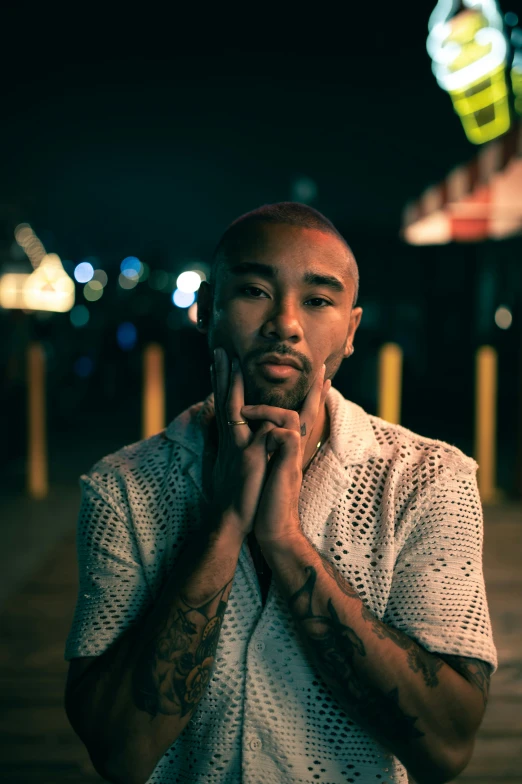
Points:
(38, 578)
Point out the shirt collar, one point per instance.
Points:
(352, 437)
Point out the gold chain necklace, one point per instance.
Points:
(322, 440)
(314, 454)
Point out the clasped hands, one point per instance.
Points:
(270, 461)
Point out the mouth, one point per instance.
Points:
(277, 370)
(277, 359)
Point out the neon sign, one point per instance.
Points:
(516, 68)
(469, 52)
(47, 288)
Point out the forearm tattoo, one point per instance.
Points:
(175, 667)
(419, 659)
(475, 671)
(335, 645)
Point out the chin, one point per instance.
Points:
(275, 395)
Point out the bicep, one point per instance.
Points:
(475, 671)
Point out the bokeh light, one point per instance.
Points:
(131, 267)
(79, 316)
(192, 313)
(131, 274)
(83, 367)
(503, 317)
(145, 272)
(23, 232)
(127, 283)
(189, 281)
(101, 276)
(27, 239)
(84, 272)
(93, 290)
(304, 189)
(183, 299)
(511, 19)
(126, 336)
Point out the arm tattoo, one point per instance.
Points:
(334, 645)
(419, 659)
(303, 429)
(344, 585)
(476, 671)
(174, 668)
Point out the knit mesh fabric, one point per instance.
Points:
(397, 514)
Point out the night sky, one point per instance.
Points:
(130, 134)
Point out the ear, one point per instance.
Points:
(204, 307)
(355, 320)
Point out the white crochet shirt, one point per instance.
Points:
(398, 514)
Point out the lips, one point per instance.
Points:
(275, 359)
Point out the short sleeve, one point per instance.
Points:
(438, 594)
(113, 591)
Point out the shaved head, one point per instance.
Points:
(239, 233)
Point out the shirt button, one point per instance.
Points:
(255, 744)
(260, 646)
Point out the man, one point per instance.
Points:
(362, 648)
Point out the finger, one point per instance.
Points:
(222, 368)
(312, 403)
(282, 417)
(221, 375)
(259, 440)
(325, 390)
(241, 434)
(260, 436)
(216, 402)
(287, 444)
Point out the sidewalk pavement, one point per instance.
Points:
(30, 529)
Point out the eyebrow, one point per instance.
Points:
(266, 271)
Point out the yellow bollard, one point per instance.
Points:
(153, 390)
(486, 422)
(390, 383)
(37, 481)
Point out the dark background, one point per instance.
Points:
(145, 132)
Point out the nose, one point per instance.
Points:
(283, 322)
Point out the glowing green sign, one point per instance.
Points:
(469, 52)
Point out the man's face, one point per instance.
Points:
(256, 312)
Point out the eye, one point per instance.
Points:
(246, 289)
(252, 288)
(319, 299)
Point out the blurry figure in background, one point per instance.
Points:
(280, 586)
